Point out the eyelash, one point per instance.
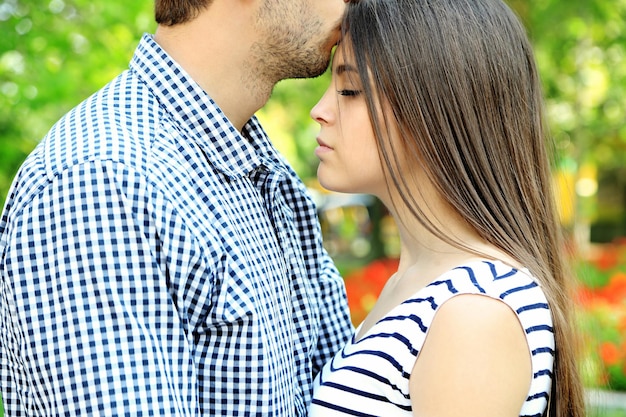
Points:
(349, 93)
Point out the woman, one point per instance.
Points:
(435, 107)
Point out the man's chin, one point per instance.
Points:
(311, 71)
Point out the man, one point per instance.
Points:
(158, 257)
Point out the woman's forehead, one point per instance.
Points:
(343, 56)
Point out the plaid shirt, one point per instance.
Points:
(155, 261)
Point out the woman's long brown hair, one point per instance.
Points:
(458, 80)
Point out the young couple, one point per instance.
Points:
(160, 258)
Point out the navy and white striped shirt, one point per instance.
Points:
(370, 377)
(155, 261)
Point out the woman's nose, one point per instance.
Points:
(320, 112)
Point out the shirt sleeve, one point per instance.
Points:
(92, 298)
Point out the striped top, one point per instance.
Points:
(370, 377)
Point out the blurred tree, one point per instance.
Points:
(53, 54)
(286, 119)
(581, 51)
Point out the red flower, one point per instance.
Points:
(584, 296)
(615, 291)
(365, 284)
(609, 353)
(621, 327)
(355, 292)
(608, 259)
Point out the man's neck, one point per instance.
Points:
(214, 49)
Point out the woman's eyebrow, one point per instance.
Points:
(341, 68)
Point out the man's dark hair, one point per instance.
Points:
(173, 12)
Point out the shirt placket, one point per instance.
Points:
(268, 182)
(281, 216)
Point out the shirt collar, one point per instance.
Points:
(199, 116)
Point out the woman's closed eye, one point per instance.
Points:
(349, 93)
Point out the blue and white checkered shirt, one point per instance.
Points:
(155, 261)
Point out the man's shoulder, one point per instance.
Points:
(116, 123)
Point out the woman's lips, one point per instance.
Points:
(322, 148)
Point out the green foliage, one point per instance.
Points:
(591, 277)
(601, 412)
(53, 54)
(287, 121)
(581, 51)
